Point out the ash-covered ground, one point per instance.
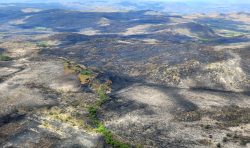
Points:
(173, 81)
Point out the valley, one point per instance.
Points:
(71, 78)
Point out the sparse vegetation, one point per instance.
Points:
(58, 115)
(86, 72)
(5, 58)
(110, 138)
(99, 126)
(85, 75)
(189, 116)
(236, 138)
(231, 115)
(101, 91)
(103, 88)
(84, 79)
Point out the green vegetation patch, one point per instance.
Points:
(93, 109)
(101, 91)
(5, 58)
(43, 44)
(87, 76)
(98, 125)
(86, 72)
(67, 118)
(109, 137)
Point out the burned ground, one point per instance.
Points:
(169, 81)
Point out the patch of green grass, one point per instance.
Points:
(93, 112)
(102, 94)
(109, 137)
(93, 109)
(99, 127)
(93, 115)
(5, 58)
(86, 72)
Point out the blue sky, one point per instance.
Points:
(208, 1)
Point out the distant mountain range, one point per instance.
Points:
(186, 7)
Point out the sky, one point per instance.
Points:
(208, 1)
